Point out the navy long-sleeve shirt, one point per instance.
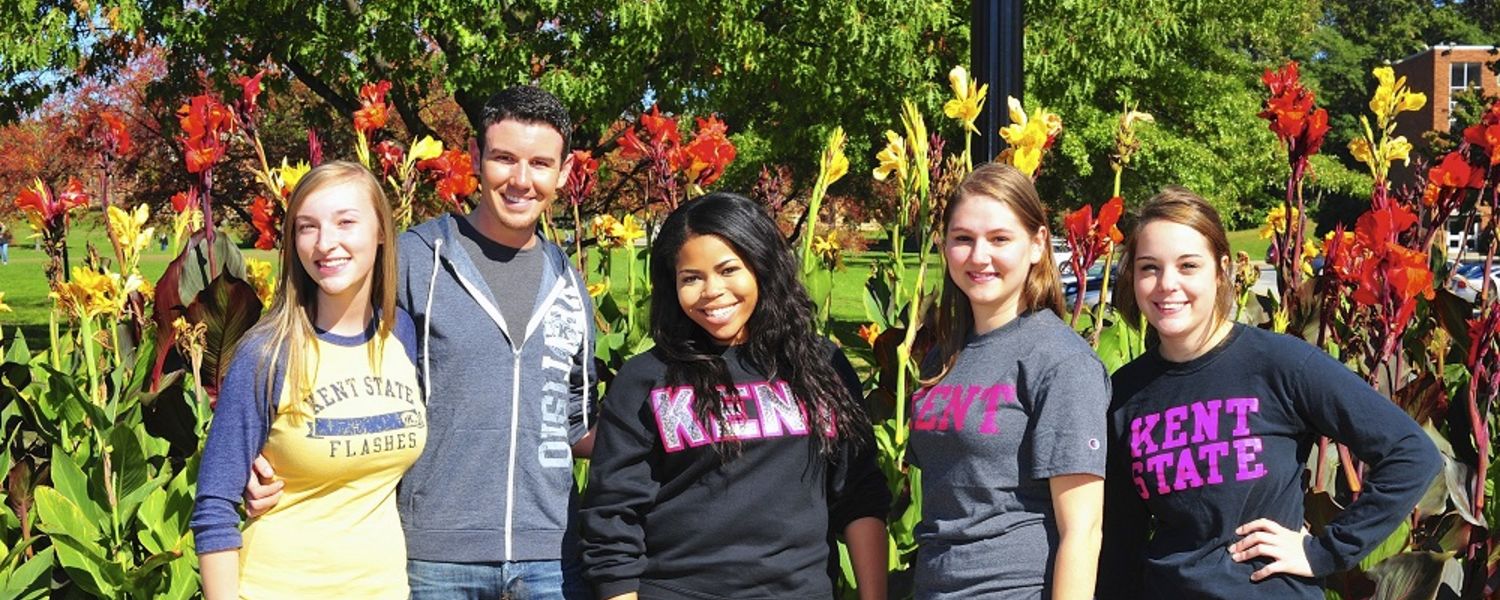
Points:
(665, 515)
(1202, 447)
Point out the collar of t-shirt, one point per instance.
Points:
(512, 274)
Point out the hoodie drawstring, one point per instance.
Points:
(427, 322)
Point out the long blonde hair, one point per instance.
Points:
(1043, 286)
(287, 328)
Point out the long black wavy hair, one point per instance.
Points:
(782, 342)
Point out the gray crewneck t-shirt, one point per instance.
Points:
(513, 274)
(1022, 403)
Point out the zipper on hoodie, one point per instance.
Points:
(515, 383)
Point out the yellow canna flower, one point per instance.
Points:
(1397, 149)
(629, 230)
(892, 159)
(828, 249)
(89, 293)
(834, 163)
(424, 148)
(597, 289)
(1029, 137)
(1360, 148)
(1411, 101)
(129, 229)
(4, 308)
(967, 99)
(1276, 221)
(1130, 118)
(1017, 112)
(185, 223)
(602, 225)
(259, 273)
(1393, 97)
(614, 233)
(289, 175)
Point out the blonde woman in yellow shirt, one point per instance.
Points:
(325, 387)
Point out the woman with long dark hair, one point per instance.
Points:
(1212, 426)
(728, 455)
(325, 386)
(1008, 428)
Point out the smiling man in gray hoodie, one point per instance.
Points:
(505, 345)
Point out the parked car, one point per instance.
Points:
(1093, 281)
(1466, 279)
(1061, 254)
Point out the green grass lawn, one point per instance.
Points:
(24, 282)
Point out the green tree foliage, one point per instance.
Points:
(1195, 66)
(780, 73)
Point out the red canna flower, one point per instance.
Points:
(205, 122)
(373, 110)
(631, 146)
(1090, 238)
(264, 217)
(709, 153)
(581, 179)
(1380, 226)
(182, 200)
(1486, 133)
(1456, 172)
(40, 202)
(249, 93)
(1292, 115)
(452, 172)
(201, 156)
(661, 129)
(116, 133)
(391, 155)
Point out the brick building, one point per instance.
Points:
(1440, 72)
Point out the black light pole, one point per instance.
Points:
(995, 53)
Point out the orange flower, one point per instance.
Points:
(183, 200)
(373, 110)
(709, 153)
(1292, 115)
(205, 121)
(1456, 172)
(202, 155)
(1090, 238)
(116, 133)
(631, 146)
(869, 332)
(661, 129)
(452, 173)
(390, 155)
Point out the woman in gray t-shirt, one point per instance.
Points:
(1009, 426)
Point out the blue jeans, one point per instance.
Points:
(518, 580)
(4, 253)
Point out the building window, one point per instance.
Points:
(1461, 76)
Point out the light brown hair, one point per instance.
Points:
(287, 328)
(954, 318)
(1177, 204)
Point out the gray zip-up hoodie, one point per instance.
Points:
(503, 407)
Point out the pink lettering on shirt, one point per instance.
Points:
(1185, 447)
